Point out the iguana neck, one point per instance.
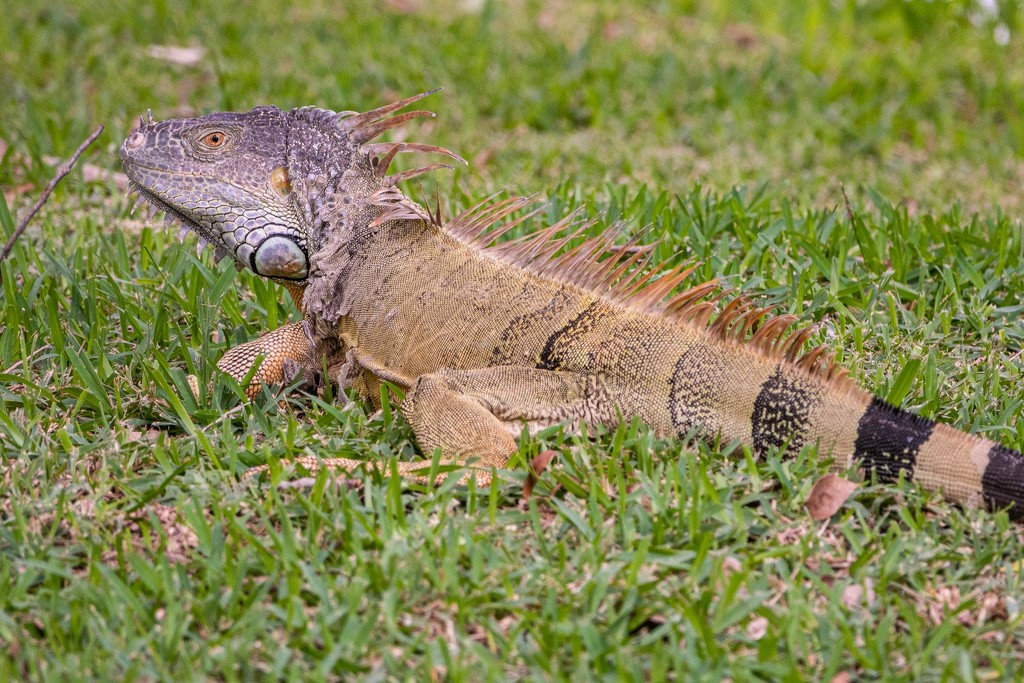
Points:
(351, 226)
(335, 205)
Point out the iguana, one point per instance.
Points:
(483, 336)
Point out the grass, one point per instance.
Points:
(130, 550)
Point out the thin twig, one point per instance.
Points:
(62, 171)
(849, 211)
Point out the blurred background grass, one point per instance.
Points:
(920, 100)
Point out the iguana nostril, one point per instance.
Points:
(281, 257)
(135, 140)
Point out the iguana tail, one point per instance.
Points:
(968, 469)
(792, 407)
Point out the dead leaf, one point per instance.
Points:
(757, 628)
(730, 565)
(993, 608)
(851, 595)
(856, 594)
(177, 54)
(537, 467)
(828, 495)
(943, 600)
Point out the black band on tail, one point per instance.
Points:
(1002, 483)
(888, 439)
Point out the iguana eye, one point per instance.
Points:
(214, 140)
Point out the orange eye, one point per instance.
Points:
(214, 139)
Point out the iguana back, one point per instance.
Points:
(485, 336)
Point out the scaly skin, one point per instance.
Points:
(483, 338)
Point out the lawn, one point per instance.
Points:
(130, 548)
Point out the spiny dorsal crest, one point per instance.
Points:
(364, 127)
(336, 157)
(620, 273)
(350, 131)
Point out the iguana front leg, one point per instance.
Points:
(286, 345)
(473, 416)
(286, 352)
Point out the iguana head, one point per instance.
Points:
(225, 176)
(264, 186)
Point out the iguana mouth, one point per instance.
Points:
(172, 216)
(276, 256)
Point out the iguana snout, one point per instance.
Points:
(224, 176)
